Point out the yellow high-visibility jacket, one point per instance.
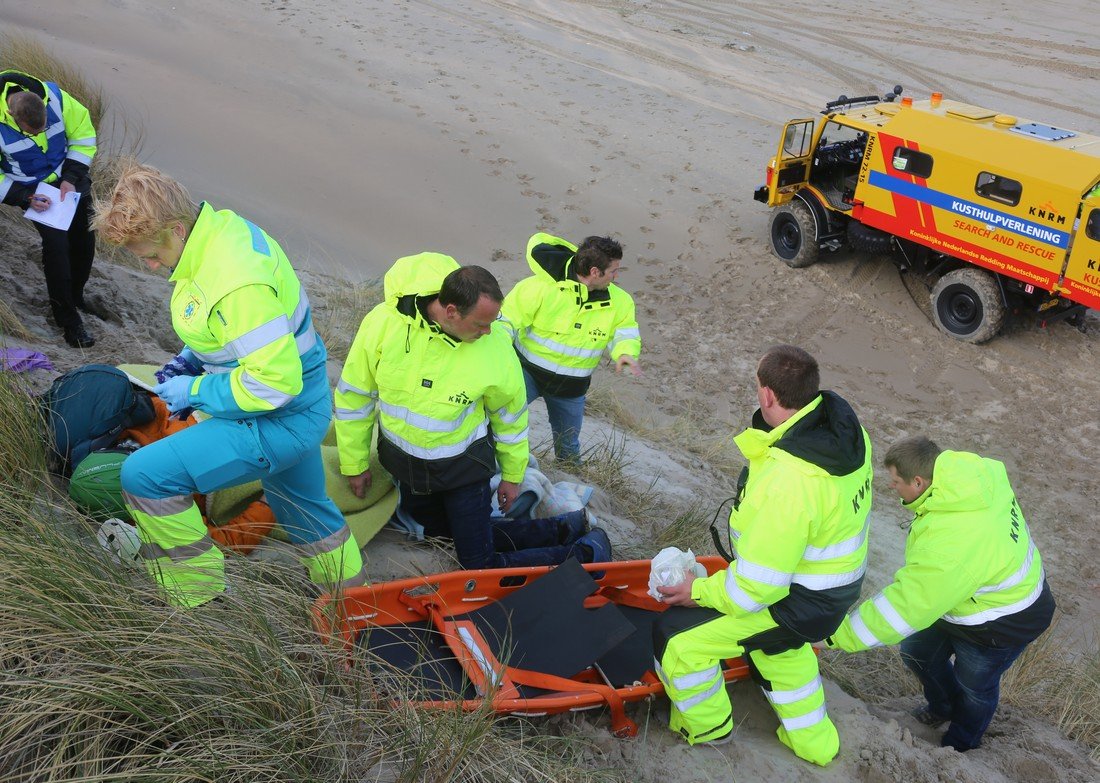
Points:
(971, 566)
(560, 328)
(799, 528)
(240, 308)
(447, 410)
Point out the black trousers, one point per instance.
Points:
(67, 261)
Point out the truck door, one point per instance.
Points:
(790, 168)
(1082, 278)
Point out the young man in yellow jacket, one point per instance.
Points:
(432, 366)
(562, 319)
(971, 595)
(799, 533)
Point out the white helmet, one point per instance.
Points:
(121, 542)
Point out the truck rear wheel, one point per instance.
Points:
(794, 235)
(967, 305)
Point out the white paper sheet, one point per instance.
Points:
(60, 214)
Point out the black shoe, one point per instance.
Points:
(927, 717)
(77, 336)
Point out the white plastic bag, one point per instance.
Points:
(670, 567)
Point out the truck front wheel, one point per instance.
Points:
(967, 305)
(794, 235)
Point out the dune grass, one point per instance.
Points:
(100, 680)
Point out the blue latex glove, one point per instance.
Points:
(184, 363)
(176, 393)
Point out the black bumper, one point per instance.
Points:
(761, 194)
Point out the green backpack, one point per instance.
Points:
(96, 484)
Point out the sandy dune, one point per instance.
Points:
(357, 132)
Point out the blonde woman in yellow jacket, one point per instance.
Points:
(254, 364)
(971, 595)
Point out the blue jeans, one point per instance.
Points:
(566, 415)
(463, 514)
(966, 690)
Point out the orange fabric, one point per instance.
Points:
(243, 532)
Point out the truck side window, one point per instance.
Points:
(1092, 226)
(796, 142)
(998, 188)
(919, 164)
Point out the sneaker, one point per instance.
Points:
(574, 526)
(927, 717)
(77, 336)
(597, 546)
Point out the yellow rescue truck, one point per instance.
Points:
(1003, 213)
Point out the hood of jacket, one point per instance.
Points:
(828, 435)
(550, 257)
(12, 81)
(962, 481)
(413, 276)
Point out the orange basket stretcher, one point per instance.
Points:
(529, 641)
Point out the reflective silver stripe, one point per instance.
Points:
(306, 340)
(763, 574)
(5, 185)
(88, 142)
(804, 721)
(562, 348)
(343, 386)
(427, 423)
(177, 554)
(739, 596)
(355, 414)
(159, 507)
(554, 367)
(1016, 577)
(845, 547)
(860, 629)
(19, 146)
(79, 157)
(999, 611)
(623, 334)
(510, 418)
(798, 694)
(695, 679)
(890, 615)
(257, 338)
(827, 581)
(301, 311)
(699, 698)
(264, 392)
(329, 543)
(354, 581)
(439, 452)
(220, 369)
(511, 439)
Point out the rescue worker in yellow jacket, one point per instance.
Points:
(433, 368)
(47, 136)
(562, 319)
(971, 595)
(251, 361)
(798, 530)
